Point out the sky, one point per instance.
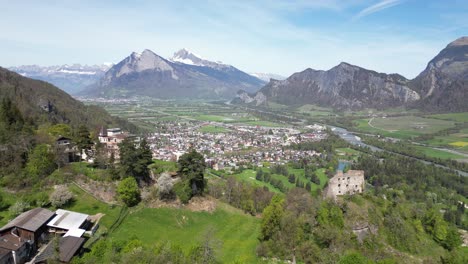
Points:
(282, 37)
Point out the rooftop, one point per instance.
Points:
(68, 246)
(11, 242)
(67, 220)
(30, 220)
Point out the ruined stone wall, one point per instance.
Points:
(345, 183)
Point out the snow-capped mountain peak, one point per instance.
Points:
(69, 77)
(267, 76)
(186, 56)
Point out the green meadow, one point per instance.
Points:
(236, 231)
(403, 126)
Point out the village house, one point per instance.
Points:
(66, 149)
(22, 235)
(21, 238)
(351, 182)
(110, 138)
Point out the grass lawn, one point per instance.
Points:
(215, 118)
(88, 171)
(85, 203)
(434, 153)
(403, 126)
(159, 166)
(237, 231)
(347, 153)
(263, 123)
(458, 117)
(213, 129)
(249, 176)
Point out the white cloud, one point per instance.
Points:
(376, 8)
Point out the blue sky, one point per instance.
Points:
(281, 37)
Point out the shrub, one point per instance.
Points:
(128, 191)
(165, 185)
(61, 196)
(18, 208)
(183, 191)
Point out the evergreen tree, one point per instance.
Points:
(83, 140)
(192, 168)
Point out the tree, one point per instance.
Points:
(144, 157)
(165, 185)
(60, 130)
(60, 197)
(83, 140)
(292, 178)
(18, 207)
(272, 218)
(134, 161)
(259, 175)
(192, 168)
(40, 164)
(128, 191)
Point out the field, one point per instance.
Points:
(458, 117)
(213, 129)
(347, 153)
(147, 113)
(402, 127)
(456, 141)
(313, 110)
(435, 153)
(237, 231)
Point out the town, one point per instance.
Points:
(232, 145)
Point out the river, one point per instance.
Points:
(351, 138)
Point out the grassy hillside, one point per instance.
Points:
(236, 231)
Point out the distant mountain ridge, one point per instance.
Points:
(267, 76)
(41, 102)
(185, 75)
(442, 86)
(70, 78)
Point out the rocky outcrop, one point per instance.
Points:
(443, 85)
(344, 86)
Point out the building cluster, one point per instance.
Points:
(40, 236)
(241, 145)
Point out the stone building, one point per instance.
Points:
(350, 183)
(111, 138)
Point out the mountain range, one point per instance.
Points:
(70, 78)
(185, 75)
(442, 86)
